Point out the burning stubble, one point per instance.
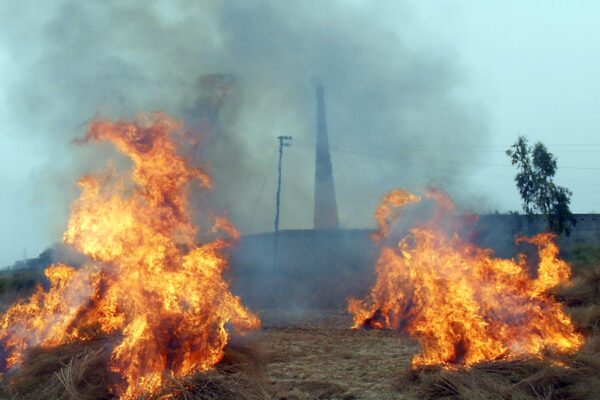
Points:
(160, 296)
(462, 304)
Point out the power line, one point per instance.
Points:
(428, 160)
(262, 188)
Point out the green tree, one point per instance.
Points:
(537, 167)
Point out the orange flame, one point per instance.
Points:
(463, 305)
(163, 294)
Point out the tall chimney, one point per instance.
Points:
(326, 216)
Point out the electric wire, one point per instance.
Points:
(267, 174)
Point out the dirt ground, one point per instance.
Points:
(315, 355)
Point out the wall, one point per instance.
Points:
(320, 269)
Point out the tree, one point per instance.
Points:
(537, 167)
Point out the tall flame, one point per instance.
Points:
(151, 284)
(462, 304)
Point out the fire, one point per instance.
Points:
(463, 304)
(162, 296)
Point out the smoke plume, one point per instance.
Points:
(241, 73)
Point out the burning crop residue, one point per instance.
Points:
(462, 304)
(159, 294)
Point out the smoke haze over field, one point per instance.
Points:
(244, 73)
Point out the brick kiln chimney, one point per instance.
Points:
(325, 213)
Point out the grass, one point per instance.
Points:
(18, 284)
(73, 371)
(20, 280)
(559, 377)
(568, 378)
(80, 371)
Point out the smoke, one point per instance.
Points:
(242, 73)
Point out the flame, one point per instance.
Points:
(151, 285)
(462, 304)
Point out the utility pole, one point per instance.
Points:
(284, 141)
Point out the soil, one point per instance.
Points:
(315, 355)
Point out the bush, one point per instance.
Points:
(583, 255)
(20, 280)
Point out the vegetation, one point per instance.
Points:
(535, 182)
(577, 378)
(556, 377)
(15, 285)
(40, 262)
(583, 255)
(19, 280)
(80, 370)
(295, 359)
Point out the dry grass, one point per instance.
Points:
(312, 354)
(578, 378)
(582, 299)
(560, 377)
(319, 359)
(73, 371)
(79, 371)
(225, 383)
(585, 288)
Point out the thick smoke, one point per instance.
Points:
(243, 73)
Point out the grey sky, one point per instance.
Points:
(465, 78)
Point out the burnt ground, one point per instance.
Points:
(315, 355)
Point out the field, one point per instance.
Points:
(313, 354)
(296, 355)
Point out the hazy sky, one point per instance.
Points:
(465, 78)
(533, 66)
